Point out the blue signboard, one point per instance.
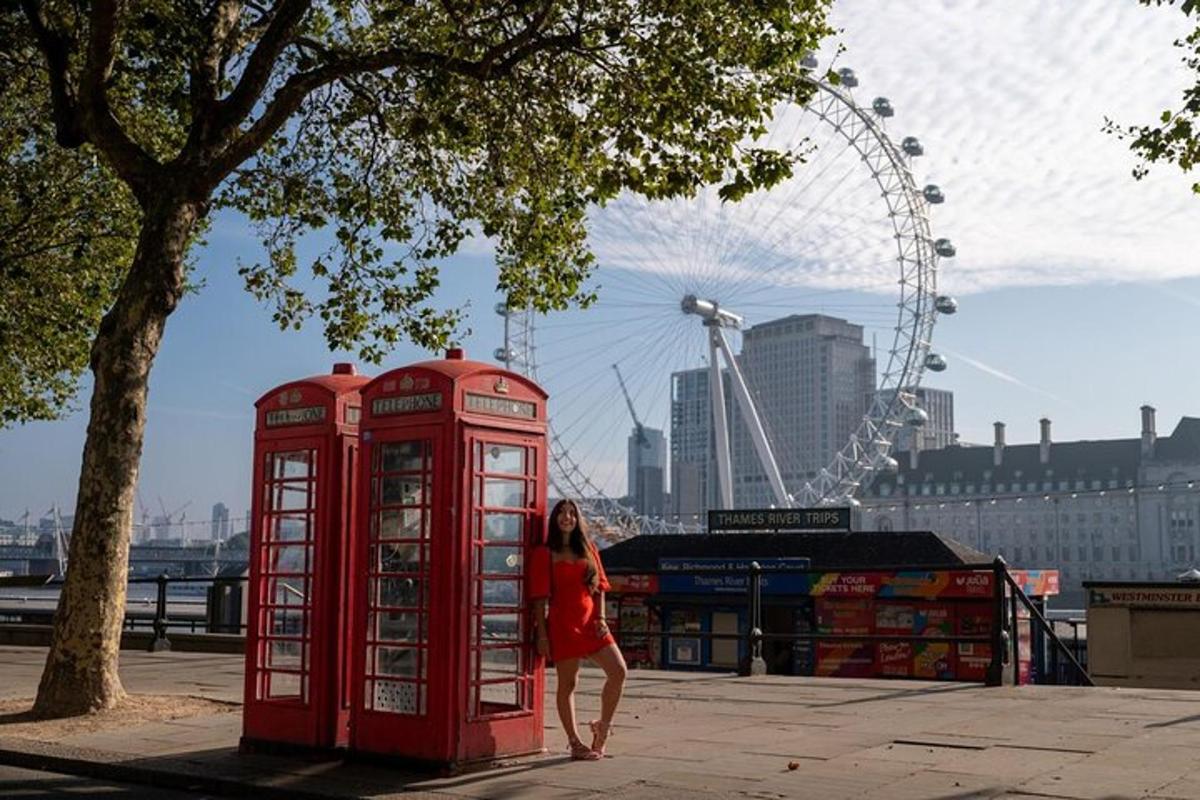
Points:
(730, 575)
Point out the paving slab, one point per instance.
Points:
(692, 735)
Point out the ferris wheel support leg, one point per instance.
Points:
(750, 416)
(716, 392)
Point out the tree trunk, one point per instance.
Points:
(80, 675)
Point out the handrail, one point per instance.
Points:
(1019, 594)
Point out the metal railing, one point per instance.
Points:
(162, 614)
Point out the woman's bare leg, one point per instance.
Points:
(613, 664)
(568, 676)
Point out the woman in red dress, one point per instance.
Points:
(567, 575)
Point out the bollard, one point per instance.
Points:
(161, 643)
(995, 675)
(758, 666)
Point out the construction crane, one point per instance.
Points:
(639, 431)
(169, 518)
(143, 534)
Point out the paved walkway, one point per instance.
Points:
(697, 736)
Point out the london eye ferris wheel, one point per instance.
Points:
(680, 281)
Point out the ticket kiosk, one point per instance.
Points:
(453, 496)
(301, 530)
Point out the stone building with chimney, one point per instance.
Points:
(1114, 509)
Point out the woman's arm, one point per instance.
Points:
(601, 620)
(539, 621)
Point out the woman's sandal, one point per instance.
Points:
(581, 752)
(600, 733)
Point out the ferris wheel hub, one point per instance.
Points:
(710, 311)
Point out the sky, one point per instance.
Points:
(1079, 288)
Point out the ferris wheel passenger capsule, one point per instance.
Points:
(502, 354)
(945, 304)
(944, 248)
(502, 309)
(916, 418)
(809, 61)
(935, 362)
(889, 465)
(912, 146)
(933, 194)
(849, 79)
(882, 107)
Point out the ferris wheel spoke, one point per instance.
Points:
(617, 407)
(667, 272)
(847, 235)
(782, 204)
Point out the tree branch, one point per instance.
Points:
(135, 166)
(291, 95)
(208, 70)
(68, 124)
(240, 102)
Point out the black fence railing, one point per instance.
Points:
(1052, 660)
(217, 607)
(1060, 663)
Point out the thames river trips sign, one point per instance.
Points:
(779, 519)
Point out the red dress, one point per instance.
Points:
(574, 611)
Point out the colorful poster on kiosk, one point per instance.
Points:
(845, 616)
(933, 660)
(894, 619)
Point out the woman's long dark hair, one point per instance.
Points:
(577, 539)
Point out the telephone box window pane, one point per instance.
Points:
(397, 557)
(288, 591)
(401, 662)
(285, 655)
(297, 464)
(503, 527)
(401, 490)
(501, 560)
(287, 622)
(499, 628)
(503, 493)
(499, 694)
(504, 459)
(397, 626)
(399, 592)
(396, 697)
(283, 684)
(291, 528)
(402, 456)
(501, 593)
(402, 523)
(496, 663)
(288, 559)
(292, 496)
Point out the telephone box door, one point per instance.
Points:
(502, 484)
(282, 608)
(400, 683)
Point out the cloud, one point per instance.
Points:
(1009, 100)
(1002, 375)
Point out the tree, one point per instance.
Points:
(1176, 139)
(66, 236)
(403, 128)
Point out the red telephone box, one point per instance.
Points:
(453, 496)
(301, 533)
